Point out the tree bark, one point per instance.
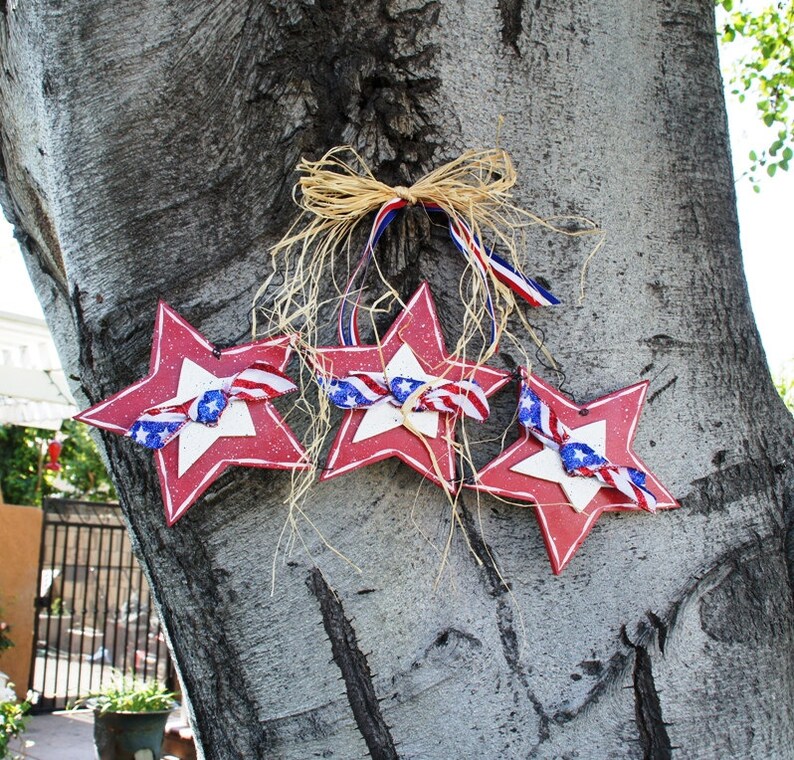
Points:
(148, 152)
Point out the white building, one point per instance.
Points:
(33, 388)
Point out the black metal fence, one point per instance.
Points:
(95, 612)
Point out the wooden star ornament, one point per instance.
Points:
(403, 396)
(567, 505)
(202, 409)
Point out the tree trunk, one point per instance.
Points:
(148, 153)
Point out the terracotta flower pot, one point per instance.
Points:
(128, 735)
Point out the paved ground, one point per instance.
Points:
(58, 736)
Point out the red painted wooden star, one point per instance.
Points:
(184, 365)
(412, 348)
(567, 506)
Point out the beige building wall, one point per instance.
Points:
(20, 540)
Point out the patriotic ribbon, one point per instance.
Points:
(362, 390)
(482, 258)
(159, 425)
(578, 458)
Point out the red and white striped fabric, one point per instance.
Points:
(464, 397)
(259, 382)
(363, 390)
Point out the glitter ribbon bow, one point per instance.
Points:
(578, 458)
(362, 390)
(159, 425)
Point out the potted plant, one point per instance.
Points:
(129, 718)
(54, 624)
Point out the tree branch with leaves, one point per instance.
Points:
(764, 74)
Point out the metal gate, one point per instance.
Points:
(94, 609)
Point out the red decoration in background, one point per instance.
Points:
(412, 347)
(567, 506)
(54, 451)
(183, 365)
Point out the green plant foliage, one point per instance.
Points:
(58, 608)
(12, 721)
(128, 693)
(784, 382)
(24, 480)
(764, 75)
(20, 453)
(83, 468)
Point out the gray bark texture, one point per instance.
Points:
(148, 152)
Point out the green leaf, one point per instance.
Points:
(764, 73)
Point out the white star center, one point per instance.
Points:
(547, 465)
(195, 438)
(383, 417)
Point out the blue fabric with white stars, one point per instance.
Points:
(153, 435)
(576, 454)
(210, 407)
(529, 408)
(343, 394)
(402, 387)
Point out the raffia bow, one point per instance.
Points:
(476, 182)
(339, 190)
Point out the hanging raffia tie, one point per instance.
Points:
(578, 458)
(473, 191)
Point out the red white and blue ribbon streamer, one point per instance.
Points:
(482, 258)
(578, 458)
(365, 389)
(159, 425)
(348, 314)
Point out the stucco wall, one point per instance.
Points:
(20, 538)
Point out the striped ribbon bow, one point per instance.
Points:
(482, 258)
(362, 390)
(160, 424)
(578, 458)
